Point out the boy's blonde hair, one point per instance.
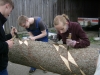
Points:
(22, 19)
(60, 18)
(3, 2)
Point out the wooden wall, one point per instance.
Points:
(31, 8)
(48, 9)
(78, 8)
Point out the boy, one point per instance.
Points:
(6, 6)
(36, 28)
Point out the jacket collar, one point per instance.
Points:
(2, 19)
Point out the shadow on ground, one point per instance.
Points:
(16, 69)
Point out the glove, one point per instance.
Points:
(70, 42)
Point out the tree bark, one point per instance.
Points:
(54, 58)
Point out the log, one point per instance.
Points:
(54, 57)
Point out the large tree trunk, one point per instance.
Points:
(54, 58)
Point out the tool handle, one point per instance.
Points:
(13, 38)
(69, 36)
(15, 32)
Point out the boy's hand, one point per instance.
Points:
(13, 29)
(70, 42)
(10, 43)
(32, 38)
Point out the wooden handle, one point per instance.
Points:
(13, 38)
(69, 36)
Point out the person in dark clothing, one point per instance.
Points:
(79, 38)
(6, 7)
(36, 28)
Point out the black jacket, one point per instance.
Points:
(3, 45)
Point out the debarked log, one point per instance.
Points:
(54, 58)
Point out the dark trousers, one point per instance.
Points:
(32, 68)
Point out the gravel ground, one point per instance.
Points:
(16, 69)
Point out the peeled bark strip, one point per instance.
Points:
(54, 58)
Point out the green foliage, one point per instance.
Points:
(53, 31)
(22, 35)
(92, 40)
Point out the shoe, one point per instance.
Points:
(31, 71)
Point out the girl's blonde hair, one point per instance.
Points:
(60, 18)
(22, 19)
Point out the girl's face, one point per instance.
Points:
(62, 28)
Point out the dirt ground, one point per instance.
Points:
(91, 35)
